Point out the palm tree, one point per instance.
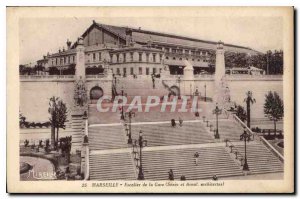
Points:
(249, 99)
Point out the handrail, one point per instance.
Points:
(46, 76)
(234, 147)
(96, 76)
(275, 152)
(244, 125)
(87, 155)
(261, 138)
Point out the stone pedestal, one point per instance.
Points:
(220, 82)
(220, 63)
(188, 79)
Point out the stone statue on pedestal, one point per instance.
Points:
(80, 95)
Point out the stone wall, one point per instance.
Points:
(35, 95)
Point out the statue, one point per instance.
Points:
(80, 95)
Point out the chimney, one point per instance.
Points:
(80, 41)
(69, 44)
(128, 36)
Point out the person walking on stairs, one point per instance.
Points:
(171, 175)
(180, 122)
(196, 156)
(173, 123)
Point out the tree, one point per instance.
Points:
(273, 107)
(249, 100)
(53, 70)
(22, 120)
(236, 60)
(58, 112)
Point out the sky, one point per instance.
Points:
(37, 36)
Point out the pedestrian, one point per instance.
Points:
(215, 177)
(173, 123)
(182, 178)
(180, 122)
(196, 156)
(171, 175)
(26, 142)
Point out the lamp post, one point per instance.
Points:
(246, 138)
(115, 78)
(205, 92)
(179, 80)
(129, 114)
(122, 111)
(217, 111)
(141, 143)
(196, 93)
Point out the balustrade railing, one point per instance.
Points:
(46, 77)
(95, 76)
(260, 138)
(253, 77)
(272, 149)
(234, 150)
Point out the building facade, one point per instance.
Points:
(133, 51)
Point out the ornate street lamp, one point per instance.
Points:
(115, 78)
(122, 111)
(217, 111)
(196, 93)
(205, 92)
(141, 143)
(129, 114)
(246, 138)
(179, 80)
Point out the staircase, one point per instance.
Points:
(212, 161)
(113, 166)
(228, 129)
(77, 128)
(95, 117)
(141, 87)
(260, 159)
(107, 137)
(165, 134)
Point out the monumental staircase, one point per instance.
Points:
(164, 134)
(107, 137)
(112, 166)
(174, 148)
(212, 161)
(260, 159)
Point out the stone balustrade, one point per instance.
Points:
(47, 77)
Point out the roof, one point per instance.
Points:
(143, 36)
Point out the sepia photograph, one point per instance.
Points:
(125, 100)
